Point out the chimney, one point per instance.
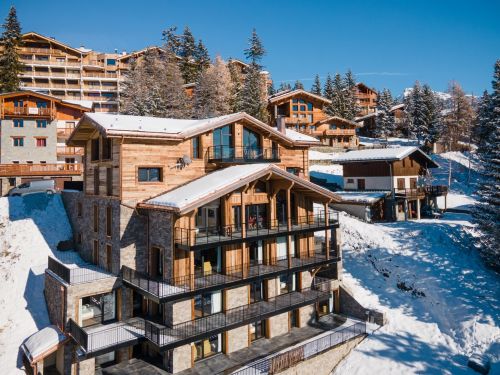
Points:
(124, 53)
(280, 124)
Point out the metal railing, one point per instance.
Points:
(436, 189)
(236, 317)
(171, 288)
(278, 362)
(257, 228)
(78, 274)
(243, 154)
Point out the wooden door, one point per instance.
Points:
(413, 183)
(361, 184)
(401, 183)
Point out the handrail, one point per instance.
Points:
(77, 275)
(57, 169)
(257, 227)
(242, 153)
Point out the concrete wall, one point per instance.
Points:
(29, 152)
(359, 210)
(349, 306)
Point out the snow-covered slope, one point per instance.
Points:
(30, 229)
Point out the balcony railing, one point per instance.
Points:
(66, 150)
(260, 228)
(340, 132)
(64, 132)
(436, 190)
(62, 169)
(163, 290)
(28, 111)
(242, 154)
(278, 362)
(410, 192)
(77, 274)
(99, 75)
(179, 334)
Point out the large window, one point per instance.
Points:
(223, 142)
(209, 347)
(207, 304)
(250, 139)
(256, 216)
(207, 261)
(41, 142)
(97, 309)
(18, 123)
(257, 330)
(146, 174)
(195, 148)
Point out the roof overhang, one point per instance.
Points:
(414, 152)
(43, 343)
(16, 94)
(333, 119)
(277, 98)
(51, 40)
(271, 172)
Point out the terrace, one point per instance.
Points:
(242, 154)
(73, 270)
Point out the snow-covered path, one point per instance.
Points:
(30, 229)
(441, 302)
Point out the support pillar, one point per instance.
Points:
(418, 209)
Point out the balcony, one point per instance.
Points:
(65, 150)
(340, 132)
(297, 120)
(205, 237)
(165, 290)
(418, 192)
(60, 169)
(73, 270)
(100, 75)
(27, 111)
(242, 154)
(64, 132)
(436, 190)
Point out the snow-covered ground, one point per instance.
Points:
(30, 229)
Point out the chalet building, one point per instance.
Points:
(201, 238)
(368, 122)
(399, 171)
(34, 130)
(304, 112)
(367, 99)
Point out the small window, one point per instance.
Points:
(96, 218)
(15, 161)
(18, 141)
(195, 148)
(260, 187)
(41, 123)
(333, 127)
(301, 101)
(41, 142)
(150, 175)
(79, 209)
(313, 127)
(18, 103)
(295, 107)
(350, 180)
(293, 170)
(309, 106)
(96, 181)
(310, 118)
(295, 100)
(109, 214)
(18, 123)
(302, 107)
(41, 104)
(43, 162)
(29, 161)
(111, 62)
(94, 149)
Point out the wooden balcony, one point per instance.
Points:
(27, 111)
(62, 169)
(100, 75)
(65, 150)
(64, 132)
(296, 120)
(334, 132)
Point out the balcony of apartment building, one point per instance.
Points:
(45, 60)
(27, 111)
(243, 154)
(90, 75)
(69, 151)
(254, 226)
(210, 274)
(59, 169)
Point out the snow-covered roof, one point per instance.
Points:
(300, 137)
(290, 93)
(331, 119)
(42, 341)
(223, 181)
(361, 197)
(82, 103)
(382, 154)
(369, 115)
(397, 106)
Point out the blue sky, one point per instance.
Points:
(385, 43)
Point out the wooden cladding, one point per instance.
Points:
(405, 167)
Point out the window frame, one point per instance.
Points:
(37, 139)
(18, 123)
(161, 176)
(20, 141)
(41, 122)
(195, 147)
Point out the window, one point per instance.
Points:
(107, 147)
(293, 170)
(207, 304)
(312, 127)
(333, 127)
(94, 152)
(109, 215)
(18, 103)
(310, 118)
(79, 209)
(195, 147)
(41, 123)
(41, 142)
(96, 218)
(111, 62)
(96, 181)
(109, 181)
(29, 161)
(15, 161)
(69, 160)
(18, 123)
(295, 107)
(309, 106)
(301, 101)
(295, 100)
(41, 104)
(260, 187)
(156, 262)
(257, 330)
(302, 107)
(208, 347)
(350, 180)
(150, 174)
(43, 162)
(18, 141)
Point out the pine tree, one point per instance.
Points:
(483, 125)
(270, 89)
(432, 118)
(352, 107)
(213, 91)
(154, 87)
(172, 41)
(328, 90)
(236, 87)
(487, 212)
(338, 98)
(202, 58)
(253, 96)
(384, 122)
(298, 85)
(316, 86)
(284, 86)
(414, 110)
(188, 51)
(10, 65)
(460, 117)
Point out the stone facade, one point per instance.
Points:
(349, 306)
(55, 297)
(237, 338)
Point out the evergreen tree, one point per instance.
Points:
(298, 85)
(284, 86)
(188, 51)
(202, 58)
(252, 98)
(316, 86)
(10, 65)
(459, 118)
(483, 125)
(213, 91)
(414, 109)
(384, 123)
(432, 117)
(154, 87)
(172, 41)
(352, 107)
(487, 212)
(270, 89)
(338, 98)
(236, 86)
(328, 90)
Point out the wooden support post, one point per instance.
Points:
(327, 234)
(418, 209)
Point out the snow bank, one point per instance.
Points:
(30, 229)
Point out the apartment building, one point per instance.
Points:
(396, 175)
(205, 244)
(304, 112)
(34, 129)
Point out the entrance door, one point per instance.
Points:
(401, 183)
(156, 265)
(361, 184)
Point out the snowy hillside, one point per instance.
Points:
(30, 229)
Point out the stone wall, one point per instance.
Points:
(55, 299)
(178, 359)
(349, 306)
(178, 312)
(237, 338)
(277, 325)
(160, 235)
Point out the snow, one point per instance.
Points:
(30, 229)
(207, 185)
(332, 173)
(395, 153)
(300, 137)
(361, 197)
(391, 141)
(84, 103)
(43, 340)
(317, 155)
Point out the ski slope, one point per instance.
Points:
(30, 229)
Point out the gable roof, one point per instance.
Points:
(52, 40)
(42, 343)
(331, 119)
(140, 52)
(288, 94)
(83, 105)
(384, 154)
(361, 84)
(113, 125)
(224, 181)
